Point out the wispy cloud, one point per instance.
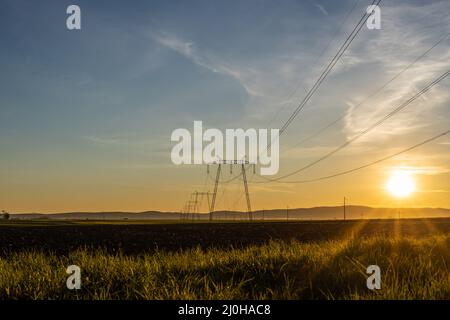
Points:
(189, 50)
(155, 145)
(389, 52)
(104, 141)
(433, 191)
(421, 170)
(270, 80)
(321, 8)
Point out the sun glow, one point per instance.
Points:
(401, 183)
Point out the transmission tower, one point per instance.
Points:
(201, 195)
(191, 209)
(242, 164)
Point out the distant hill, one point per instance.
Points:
(147, 215)
(316, 213)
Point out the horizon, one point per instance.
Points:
(235, 211)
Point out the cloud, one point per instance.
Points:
(433, 191)
(424, 170)
(321, 8)
(274, 189)
(388, 51)
(154, 145)
(273, 79)
(104, 141)
(182, 47)
(188, 50)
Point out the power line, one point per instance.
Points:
(370, 163)
(327, 70)
(329, 67)
(325, 49)
(329, 125)
(373, 126)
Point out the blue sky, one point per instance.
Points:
(91, 111)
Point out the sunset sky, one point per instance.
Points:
(86, 115)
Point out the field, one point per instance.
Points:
(260, 260)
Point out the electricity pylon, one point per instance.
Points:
(242, 163)
(191, 209)
(207, 194)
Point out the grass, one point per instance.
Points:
(411, 269)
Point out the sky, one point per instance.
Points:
(86, 115)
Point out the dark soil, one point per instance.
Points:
(136, 238)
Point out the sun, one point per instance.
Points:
(401, 183)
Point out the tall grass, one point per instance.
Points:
(411, 269)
